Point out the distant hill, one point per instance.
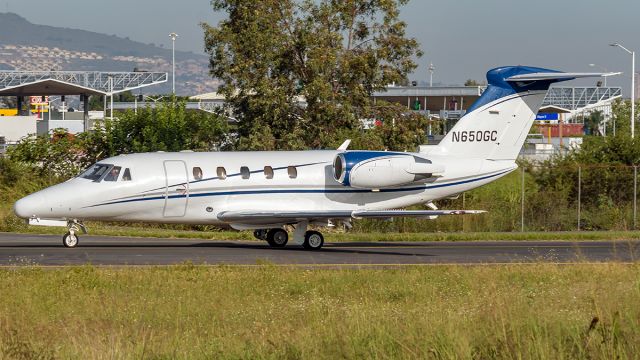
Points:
(15, 29)
(28, 46)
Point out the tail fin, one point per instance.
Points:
(496, 125)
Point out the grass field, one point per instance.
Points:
(540, 311)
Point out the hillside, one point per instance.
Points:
(27, 46)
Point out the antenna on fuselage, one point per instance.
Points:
(345, 145)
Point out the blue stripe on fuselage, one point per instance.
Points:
(303, 191)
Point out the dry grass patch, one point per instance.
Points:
(518, 311)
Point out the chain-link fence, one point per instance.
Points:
(580, 197)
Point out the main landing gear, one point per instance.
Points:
(70, 239)
(278, 238)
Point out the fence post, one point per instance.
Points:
(463, 207)
(522, 203)
(579, 193)
(635, 196)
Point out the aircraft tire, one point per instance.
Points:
(313, 240)
(277, 238)
(70, 241)
(260, 234)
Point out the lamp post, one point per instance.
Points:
(173, 37)
(633, 86)
(111, 95)
(431, 70)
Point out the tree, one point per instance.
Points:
(297, 73)
(96, 102)
(592, 123)
(621, 115)
(471, 82)
(168, 127)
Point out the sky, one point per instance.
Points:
(462, 38)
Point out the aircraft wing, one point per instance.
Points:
(296, 216)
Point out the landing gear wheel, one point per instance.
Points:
(277, 238)
(70, 240)
(313, 240)
(260, 234)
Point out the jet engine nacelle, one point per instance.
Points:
(377, 169)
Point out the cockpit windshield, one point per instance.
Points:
(106, 172)
(113, 174)
(95, 172)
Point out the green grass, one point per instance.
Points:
(541, 311)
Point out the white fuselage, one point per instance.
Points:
(164, 187)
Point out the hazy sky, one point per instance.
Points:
(463, 38)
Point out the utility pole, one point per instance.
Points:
(173, 37)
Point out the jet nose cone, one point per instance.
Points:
(30, 205)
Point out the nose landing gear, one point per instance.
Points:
(70, 239)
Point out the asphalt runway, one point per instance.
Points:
(26, 249)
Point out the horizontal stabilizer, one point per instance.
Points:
(556, 76)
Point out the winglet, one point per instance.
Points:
(345, 145)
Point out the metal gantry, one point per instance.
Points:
(577, 98)
(94, 80)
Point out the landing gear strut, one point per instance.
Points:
(70, 239)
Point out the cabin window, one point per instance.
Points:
(126, 176)
(293, 172)
(197, 173)
(113, 174)
(268, 172)
(221, 172)
(244, 172)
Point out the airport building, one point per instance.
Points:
(38, 93)
(42, 100)
(560, 121)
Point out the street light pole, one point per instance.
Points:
(633, 86)
(431, 69)
(173, 37)
(111, 94)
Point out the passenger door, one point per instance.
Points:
(176, 194)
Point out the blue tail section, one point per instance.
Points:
(497, 124)
(500, 87)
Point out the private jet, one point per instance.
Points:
(272, 191)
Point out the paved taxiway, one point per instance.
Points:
(24, 249)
